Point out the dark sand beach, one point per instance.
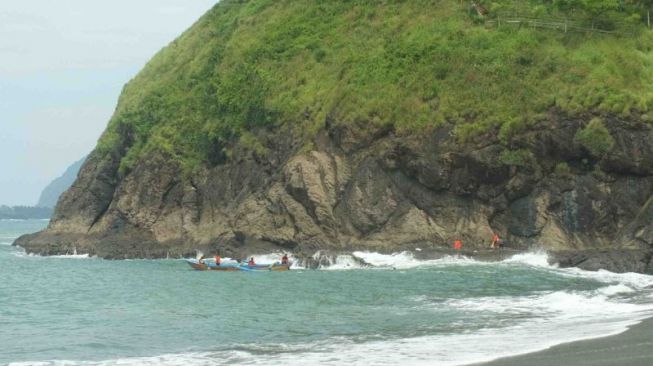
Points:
(631, 348)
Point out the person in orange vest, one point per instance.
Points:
(458, 244)
(496, 242)
(251, 262)
(218, 260)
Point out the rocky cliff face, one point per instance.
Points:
(371, 189)
(261, 128)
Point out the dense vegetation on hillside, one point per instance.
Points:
(247, 66)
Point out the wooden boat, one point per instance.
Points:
(233, 267)
(212, 267)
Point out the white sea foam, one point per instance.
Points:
(624, 282)
(553, 318)
(22, 254)
(403, 259)
(533, 259)
(342, 262)
(458, 349)
(72, 256)
(616, 290)
(539, 259)
(634, 280)
(556, 307)
(339, 262)
(556, 317)
(406, 260)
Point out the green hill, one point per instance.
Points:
(254, 65)
(325, 127)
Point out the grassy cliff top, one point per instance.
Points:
(252, 65)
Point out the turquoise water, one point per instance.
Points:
(75, 310)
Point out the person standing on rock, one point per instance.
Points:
(496, 241)
(458, 244)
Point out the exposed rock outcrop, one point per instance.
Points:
(371, 190)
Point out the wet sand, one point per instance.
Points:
(631, 348)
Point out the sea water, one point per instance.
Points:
(76, 310)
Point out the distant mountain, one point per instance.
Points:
(24, 212)
(51, 193)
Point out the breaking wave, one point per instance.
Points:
(542, 320)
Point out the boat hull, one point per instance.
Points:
(276, 267)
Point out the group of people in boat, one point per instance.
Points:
(251, 262)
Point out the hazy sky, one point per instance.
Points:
(62, 66)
